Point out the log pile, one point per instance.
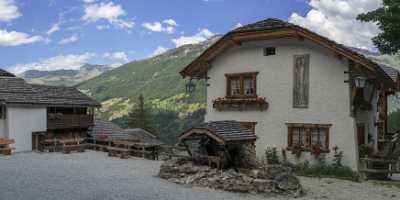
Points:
(265, 180)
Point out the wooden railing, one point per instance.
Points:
(58, 121)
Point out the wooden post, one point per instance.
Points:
(37, 142)
(187, 148)
(228, 156)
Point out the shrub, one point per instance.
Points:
(337, 157)
(342, 172)
(271, 154)
(322, 169)
(365, 150)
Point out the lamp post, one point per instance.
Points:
(190, 86)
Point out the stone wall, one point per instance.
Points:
(247, 155)
(264, 180)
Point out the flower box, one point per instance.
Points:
(241, 104)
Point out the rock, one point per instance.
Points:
(262, 185)
(287, 182)
(272, 171)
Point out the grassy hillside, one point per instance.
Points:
(157, 78)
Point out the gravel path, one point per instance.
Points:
(94, 175)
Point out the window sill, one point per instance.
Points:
(240, 103)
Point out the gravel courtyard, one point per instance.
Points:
(94, 175)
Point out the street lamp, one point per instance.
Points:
(190, 86)
(360, 81)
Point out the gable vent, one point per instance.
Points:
(269, 51)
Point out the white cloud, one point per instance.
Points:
(107, 11)
(8, 10)
(121, 56)
(336, 19)
(102, 27)
(159, 50)
(89, 1)
(170, 22)
(53, 29)
(14, 38)
(201, 36)
(167, 26)
(70, 61)
(115, 65)
(68, 40)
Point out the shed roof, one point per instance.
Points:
(15, 90)
(106, 130)
(144, 136)
(222, 131)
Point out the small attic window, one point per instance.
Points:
(269, 51)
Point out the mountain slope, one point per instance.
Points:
(156, 78)
(64, 77)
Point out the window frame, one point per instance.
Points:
(308, 135)
(241, 77)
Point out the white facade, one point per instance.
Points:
(329, 94)
(21, 122)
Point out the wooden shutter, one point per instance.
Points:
(301, 72)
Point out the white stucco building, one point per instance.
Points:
(300, 90)
(31, 113)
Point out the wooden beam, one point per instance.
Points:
(235, 42)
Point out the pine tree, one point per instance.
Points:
(140, 116)
(388, 19)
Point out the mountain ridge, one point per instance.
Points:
(64, 77)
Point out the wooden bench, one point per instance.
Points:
(115, 151)
(4, 146)
(75, 144)
(5, 151)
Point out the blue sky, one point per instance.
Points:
(55, 34)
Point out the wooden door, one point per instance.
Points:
(361, 134)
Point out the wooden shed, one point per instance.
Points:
(227, 143)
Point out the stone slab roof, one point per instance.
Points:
(267, 24)
(5, 73)
(144, 136)
(108, 131)
(227, 131)
(390, 71)
(16, 91)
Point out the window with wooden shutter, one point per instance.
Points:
(301, 81)
(307, 136)
(241, 85)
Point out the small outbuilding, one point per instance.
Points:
(223, 143)
(137, 141)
